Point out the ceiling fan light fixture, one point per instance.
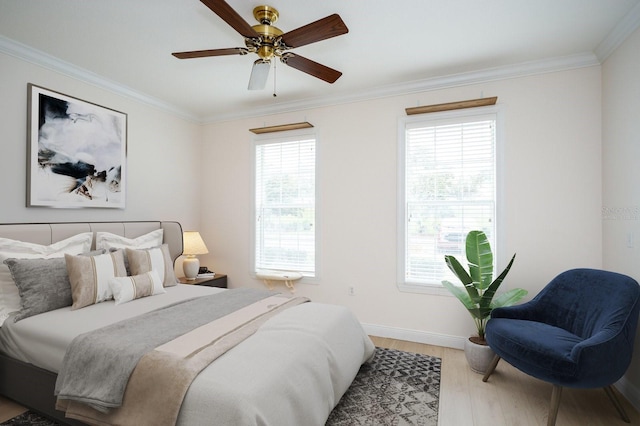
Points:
(259, 74)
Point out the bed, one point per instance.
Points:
(292, 370)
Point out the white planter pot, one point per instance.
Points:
(478, 356)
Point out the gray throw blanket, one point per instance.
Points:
(109, 355)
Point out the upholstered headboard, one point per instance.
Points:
(49, 233)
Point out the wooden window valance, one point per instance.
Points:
(452, 105)
(281, 128)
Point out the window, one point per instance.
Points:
(448, 187)
(285, 204)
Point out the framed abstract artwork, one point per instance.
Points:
(76, 152)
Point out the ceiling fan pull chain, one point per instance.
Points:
(274, 79)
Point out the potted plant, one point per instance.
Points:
(478, 294)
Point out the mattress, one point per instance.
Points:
(292, 371)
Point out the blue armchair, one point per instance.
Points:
(577, 332)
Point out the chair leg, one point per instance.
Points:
(492, 367)
(556, 393)
(616, 402)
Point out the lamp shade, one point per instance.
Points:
(193, 244)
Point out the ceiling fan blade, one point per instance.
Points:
(322, 29)
(211, 52)
(310, 67)
(231, 17)
(259, 74)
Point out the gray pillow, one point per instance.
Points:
(43, 284)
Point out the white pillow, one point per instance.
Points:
(126, 289)
(9, 295)
(107, 240)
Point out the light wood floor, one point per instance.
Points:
(9, 409)
(509, 398)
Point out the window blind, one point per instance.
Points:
(285, 206)
(450, 187)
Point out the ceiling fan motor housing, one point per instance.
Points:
(266, 14)
(265, 48)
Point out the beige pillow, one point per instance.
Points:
(89, 277)
(156, 259)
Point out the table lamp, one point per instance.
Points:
(193, 246)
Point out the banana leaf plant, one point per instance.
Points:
(478, 293)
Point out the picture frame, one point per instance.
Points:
(76, 152)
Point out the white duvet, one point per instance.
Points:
(292, 371)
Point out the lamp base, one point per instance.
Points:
(190, 266)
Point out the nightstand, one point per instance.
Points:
(218, 280)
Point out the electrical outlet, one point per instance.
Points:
(352, 290)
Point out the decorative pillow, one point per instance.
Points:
(156, 259)
(126, 289)
(9, 295)
(89, 277)
(43, 285)
(107, 240)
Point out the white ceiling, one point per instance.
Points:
(127, 44)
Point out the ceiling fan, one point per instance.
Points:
(270, 42)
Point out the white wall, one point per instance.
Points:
(555, 185)
(163, 153)
(552, 197)
(621, 176)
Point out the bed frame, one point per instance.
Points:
(32, 386)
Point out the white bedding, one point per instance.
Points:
(292, 371)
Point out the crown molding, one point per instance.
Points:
(629, 23)
(42, 59)
(37, 57)
(426, 85)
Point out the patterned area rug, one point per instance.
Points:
(396, 388)
(29, 419)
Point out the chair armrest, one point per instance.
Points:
(524, 311)
(600, 339)
(592, 353)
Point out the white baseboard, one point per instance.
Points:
(630, 391)
(626, 388)
(435, 339)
